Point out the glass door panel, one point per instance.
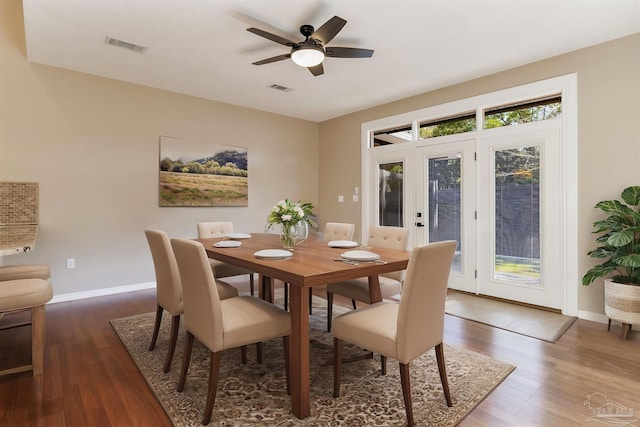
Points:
(445, 213)
(390, 194)
(517, 215)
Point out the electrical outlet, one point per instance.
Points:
(71, 263)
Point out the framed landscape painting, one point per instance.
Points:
(195, 173)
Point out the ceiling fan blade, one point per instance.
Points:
(273, 59)
(348, 52)
(316, 70)
(272, 37)
(329, 29)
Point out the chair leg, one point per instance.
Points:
(37, 339)
(214, 369)
(285, 341)
(251, 288)
(625, 328)
(175, 325)
(259, 352)
(156, 328)
(383, 365)
(353, 303)
(310, 300)
(609, 325)
(243, 354)
(443, 373)
(406, 392)
(337, 365)
(286, 296)
(329, 310)
(186, 359)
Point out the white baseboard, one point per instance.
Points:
(586, 315)
(594, 317)
(102, 292)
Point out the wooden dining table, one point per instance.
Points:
(312, 264)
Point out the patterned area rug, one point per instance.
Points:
(252, 394)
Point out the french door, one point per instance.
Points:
(498, 198)
(445, 202)
(519, 217)
(506, 193)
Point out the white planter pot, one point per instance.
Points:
(622, 304)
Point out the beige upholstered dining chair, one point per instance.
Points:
(221, 269)
(169, 289)
(332, 231)
(221, 324)
(407, 330)
(338, 231)
(390, 283)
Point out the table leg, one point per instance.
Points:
(265, 288)
(299, 351)
(374, 289)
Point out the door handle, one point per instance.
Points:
(419, 224)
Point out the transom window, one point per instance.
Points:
(526, 111)
(448, 126)
(396, 135)
(523, 112)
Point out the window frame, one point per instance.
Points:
(566, 86)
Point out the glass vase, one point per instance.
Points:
(288, 236)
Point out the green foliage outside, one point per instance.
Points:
(520, 269)
(451, 128)
(513, 167)
(517, 166)
(446, 171)
(523, 115)
(392, 167)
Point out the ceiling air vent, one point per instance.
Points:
(280, 88)
(120, 43)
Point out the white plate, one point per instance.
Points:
(360, 256)
(343, 244)
(237, 236)
(273, 254)
(227, 244)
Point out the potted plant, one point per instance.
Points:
(619, 247)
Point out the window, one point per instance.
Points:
(523, 112)
(445, 210)
(448, 126)
(397, 135)
(390, 191)
(508, 195)
(517, 215)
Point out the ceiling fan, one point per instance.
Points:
(311, 52)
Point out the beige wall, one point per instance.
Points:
(93, 143)
(608, 135)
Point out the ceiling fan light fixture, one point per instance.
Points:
(308, 56)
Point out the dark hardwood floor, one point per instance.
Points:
(90, 380)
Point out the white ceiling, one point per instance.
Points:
(202, 48)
